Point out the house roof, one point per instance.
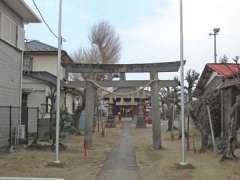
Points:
(23, 10)
(35, 47)
(225, 70)
(46, 77)
(50, 80)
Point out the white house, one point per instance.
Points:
(40, 77)
(13, 16)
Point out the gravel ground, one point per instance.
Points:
(161, 164)
(33, 163)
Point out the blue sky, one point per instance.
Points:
(149, 29)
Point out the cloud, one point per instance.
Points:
(156, 38)
(152, 36)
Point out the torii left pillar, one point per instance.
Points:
(89, 113)
(155, 112)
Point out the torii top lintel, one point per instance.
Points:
(118, 68)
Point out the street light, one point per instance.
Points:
(183, 161)
(215, 33)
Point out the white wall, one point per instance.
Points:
(10, 72)
(11, 14)
(38, 92)
(10, 63)
(47, 63)
(11, 27)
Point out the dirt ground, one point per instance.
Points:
(155, 165)
(33, 163)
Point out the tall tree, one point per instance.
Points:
(224, 59)
(107, 42)
(105, 49)
(169, 98)
(232, 120)
(191, 78)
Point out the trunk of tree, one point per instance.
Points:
(76, 117)
(51, 125)
(102, 125)
(188, 133)
(204, 142)
(170, 118)
(163, 111)
(52, 121)
(231, 129)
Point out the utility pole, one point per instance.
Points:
(183, 161)
(214, 34)
(58, 80)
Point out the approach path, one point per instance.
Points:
(121, 163)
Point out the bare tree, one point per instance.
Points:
(105, 49)
(52, 111)
(224, 59)
(104, 37)
(105, 46)
(170, 100)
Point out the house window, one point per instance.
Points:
(9, 30)
(27, 63)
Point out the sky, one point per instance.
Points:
(148, 29)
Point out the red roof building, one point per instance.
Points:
(214, 75)
(225, 70)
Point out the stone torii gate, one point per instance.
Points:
(91, 87)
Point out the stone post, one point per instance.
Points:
(155, 113)
(89, 113)
(140, 117)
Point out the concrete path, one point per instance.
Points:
(121, 163)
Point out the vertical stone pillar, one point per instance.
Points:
(140, 117)
(89, 113)
(155, 112)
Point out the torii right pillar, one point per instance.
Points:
(155, 112)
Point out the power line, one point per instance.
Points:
(43, 19)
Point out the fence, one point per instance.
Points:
(12, 131)
(30, 123)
